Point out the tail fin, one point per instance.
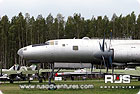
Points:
(33, 67)
(15, 67)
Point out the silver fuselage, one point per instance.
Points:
(81, 50)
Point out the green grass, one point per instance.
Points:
(8, 88)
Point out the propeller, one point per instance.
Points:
(102, 48)
(91, 67)
(110, 38)
(107, 55)
(111, 57)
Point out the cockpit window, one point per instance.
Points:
(51, 43)
(46, 43)
(34, 45)
(56, 42)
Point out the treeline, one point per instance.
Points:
(22, 30)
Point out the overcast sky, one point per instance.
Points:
(87, 8)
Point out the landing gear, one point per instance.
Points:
(138, 79)
(91, 67)
(52, 86)
(38, 74)
(51, 74)
(40, 80)
(107, 68)
(112, 69)
(11, 81)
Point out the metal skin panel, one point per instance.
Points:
(67, 54)
(127, 53)
(88, 51)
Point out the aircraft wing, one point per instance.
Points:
(9, 72)
(120, 71)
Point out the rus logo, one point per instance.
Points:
(117, 78)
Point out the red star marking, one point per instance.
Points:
(56, 74)
(117, 77)
(62, 73)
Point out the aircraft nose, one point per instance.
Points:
(20, 53)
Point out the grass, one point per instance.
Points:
(14, 88)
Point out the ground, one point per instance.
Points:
(14, 88)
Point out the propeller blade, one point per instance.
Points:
(103, 45)
(110, 38)
(100, 46)
(110, 35)
(91, 67)
(107, 68)
(100, 67)
(112, 69)
(110, 60)
(104, 60)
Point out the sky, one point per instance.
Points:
(87, 8)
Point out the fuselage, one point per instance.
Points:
(81, 50)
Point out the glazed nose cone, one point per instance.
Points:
(20, 53)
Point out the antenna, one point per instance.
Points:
(110, 38)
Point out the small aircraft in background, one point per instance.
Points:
(133, 72)
(9, 74)
(17, 72)
(74, 73)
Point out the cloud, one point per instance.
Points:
(87, 8)
(138, 1)
(1, 1)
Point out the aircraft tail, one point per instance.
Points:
(15, 67)
(33, 67)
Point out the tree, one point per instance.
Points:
(137, 33)
(4, 40)
(22, 30)
(49, 27)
